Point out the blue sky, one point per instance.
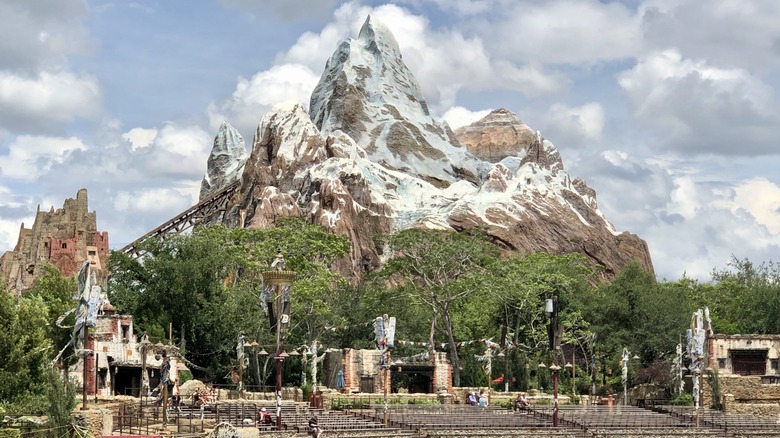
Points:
(669, 109)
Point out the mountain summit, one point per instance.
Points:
(369, 94)
(369, 158)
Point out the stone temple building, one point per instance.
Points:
(119, 358)
(64, 237)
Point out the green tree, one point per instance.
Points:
(61, 396)
(748, 296)
(635, 312)
(56, 291)
(521, 285)
(438, 270)
(207, 285)
(25, 347)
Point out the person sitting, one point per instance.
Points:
(483, 401)
(263, 417)
(472, 399)
(521, 402)
(314, 427)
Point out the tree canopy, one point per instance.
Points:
(206, 286)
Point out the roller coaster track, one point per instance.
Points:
(189, 218)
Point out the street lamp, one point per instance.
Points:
(240, 345)
(276, 294)
(553, 332)
(624, 363)
(572, 367)
(555, 369)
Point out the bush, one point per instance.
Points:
(185, 376)
(683, 399)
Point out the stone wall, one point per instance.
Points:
(745, 395)
(742, 390)
(99, 421)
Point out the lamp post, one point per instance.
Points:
(553, 332)
(555, 369)
(276, 294)
(240, 345)
(624, 363)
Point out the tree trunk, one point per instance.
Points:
(454, 358)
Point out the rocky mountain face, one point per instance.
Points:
(498, 135)
(369, 158)
(226, 161)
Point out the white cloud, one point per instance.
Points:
(760, 198)
(140, 137)
(179, 152)
(702, 108)
(287, 9)
(31, 157)
(575, 126)
(566, 32)
(684, 199)
(692, 218)
(458, 116)
(153, 201)
(39, 34)
(47, 99)
(743, 33)
(252, 98)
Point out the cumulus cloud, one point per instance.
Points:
(49, 99)
(758, 197)
(686, 98)
(140, 137)
(30, 157)
(692, 221)
(458, 116)
(566, 32)
(743, 34)
(574, 126)
(253, 97)
(40, 34)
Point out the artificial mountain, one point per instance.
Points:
(368, 158)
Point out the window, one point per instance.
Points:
(125, 332)
(774, 364)
(64, 245)
(721, 363)
(92, 252)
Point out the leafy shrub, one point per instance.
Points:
(683, 399)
